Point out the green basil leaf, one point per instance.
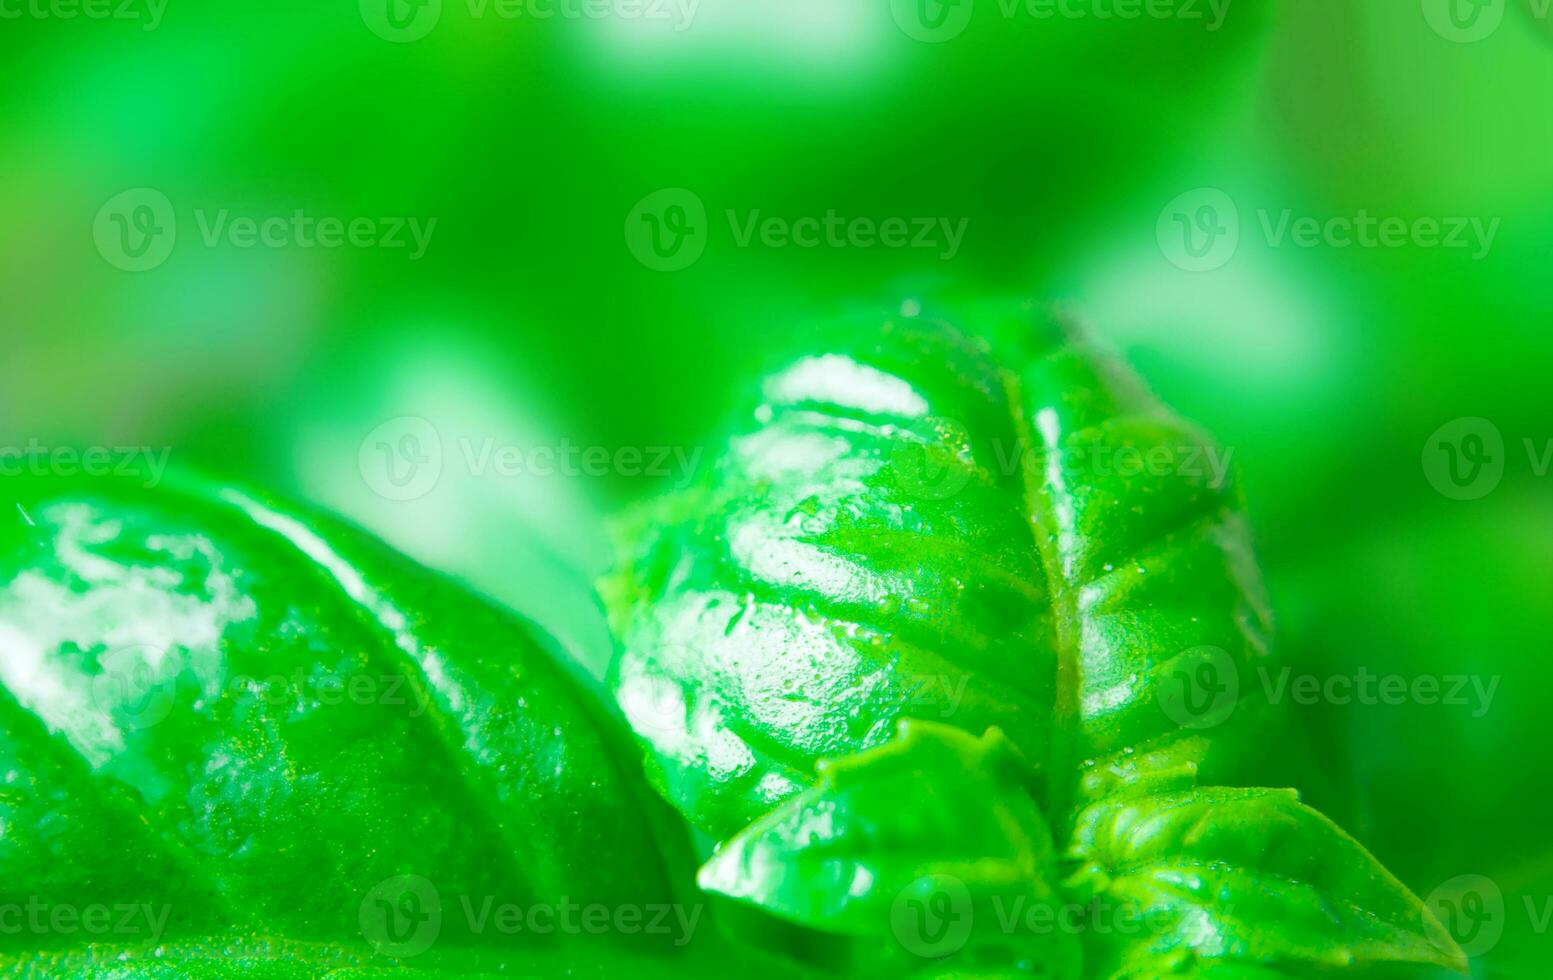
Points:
(916, 523)
(222, 718)
(999, 529)
(1250, 875)
(933, 846)
(846, 855)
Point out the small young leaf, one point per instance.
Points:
(1248, 876)
(969, 858)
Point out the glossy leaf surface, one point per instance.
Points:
(991, 527)
(1248, 875)
(909, 528)
(868, 852)
(222, 718)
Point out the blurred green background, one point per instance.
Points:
(1148, 166)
